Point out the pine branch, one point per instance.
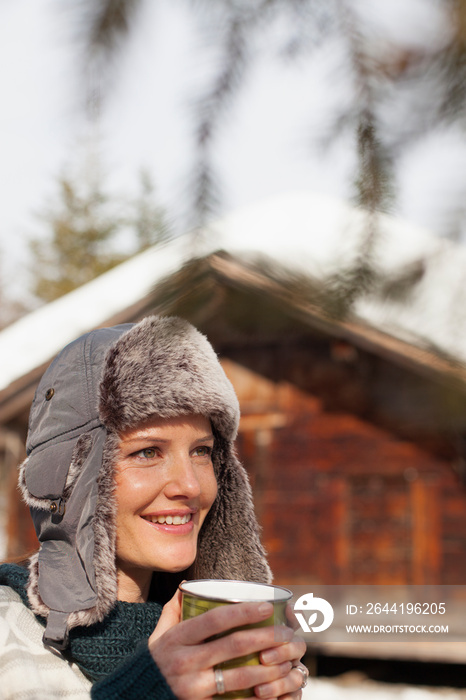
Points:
(105, 24)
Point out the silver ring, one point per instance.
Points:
(305, 674)
(219, 681)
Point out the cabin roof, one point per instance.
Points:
(295, 237)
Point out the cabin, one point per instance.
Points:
(353, 428)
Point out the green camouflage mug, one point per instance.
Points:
(205, 594)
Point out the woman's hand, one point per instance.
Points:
(187, 660)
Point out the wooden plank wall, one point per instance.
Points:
(343, 501)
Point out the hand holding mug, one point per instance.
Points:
(197, 656)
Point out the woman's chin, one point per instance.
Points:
(175, 568)
(173, 565)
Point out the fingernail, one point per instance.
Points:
(270, 656)
(283, 634)
(265, 609)
(262, 690)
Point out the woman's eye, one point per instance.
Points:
(147, 453)
(203, 451)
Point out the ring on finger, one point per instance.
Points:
(305, 674)
(219, 681)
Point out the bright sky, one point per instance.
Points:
(268, 145)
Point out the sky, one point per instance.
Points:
(270, 141)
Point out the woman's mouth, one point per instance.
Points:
(171, 523)
(169, 519)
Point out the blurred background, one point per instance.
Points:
(289, 175)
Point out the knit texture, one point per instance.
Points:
(17, 578)
(113, 653)
(100, 648)
(137, 679)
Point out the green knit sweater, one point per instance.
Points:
(114, 653)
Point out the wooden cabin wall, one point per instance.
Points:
(341, 500)
(19, 533)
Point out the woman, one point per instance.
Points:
(133, 485)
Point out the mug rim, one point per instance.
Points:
(234, 599)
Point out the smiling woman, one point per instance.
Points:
(133, 485)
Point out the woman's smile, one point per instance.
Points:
(175, 522)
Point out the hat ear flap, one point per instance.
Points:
(229, 542)
(63, 577)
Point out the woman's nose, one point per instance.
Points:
(183, 481)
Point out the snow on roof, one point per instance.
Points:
(304, 232)
(321, 235)
(38, 336)
(318, 234)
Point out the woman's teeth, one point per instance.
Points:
(170, 519)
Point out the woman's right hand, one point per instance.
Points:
(187, 661)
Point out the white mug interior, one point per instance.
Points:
(236, 591)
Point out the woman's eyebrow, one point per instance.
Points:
(205, 437)
(145, 436)
(154, 438)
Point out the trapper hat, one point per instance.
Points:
(104, 382)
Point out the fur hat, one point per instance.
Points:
(107, 381)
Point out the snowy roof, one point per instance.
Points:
(39, 335)
(319, 236)
(303, 232)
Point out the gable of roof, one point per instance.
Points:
(272, 248)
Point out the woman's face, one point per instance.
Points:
(165, 486)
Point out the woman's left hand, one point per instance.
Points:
(288, 687)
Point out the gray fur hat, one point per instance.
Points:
(104, 382)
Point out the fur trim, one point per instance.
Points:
(165, 367)
(229, 542)
(37, 604)
(105, 535)
(28, 498)
(80, 453)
